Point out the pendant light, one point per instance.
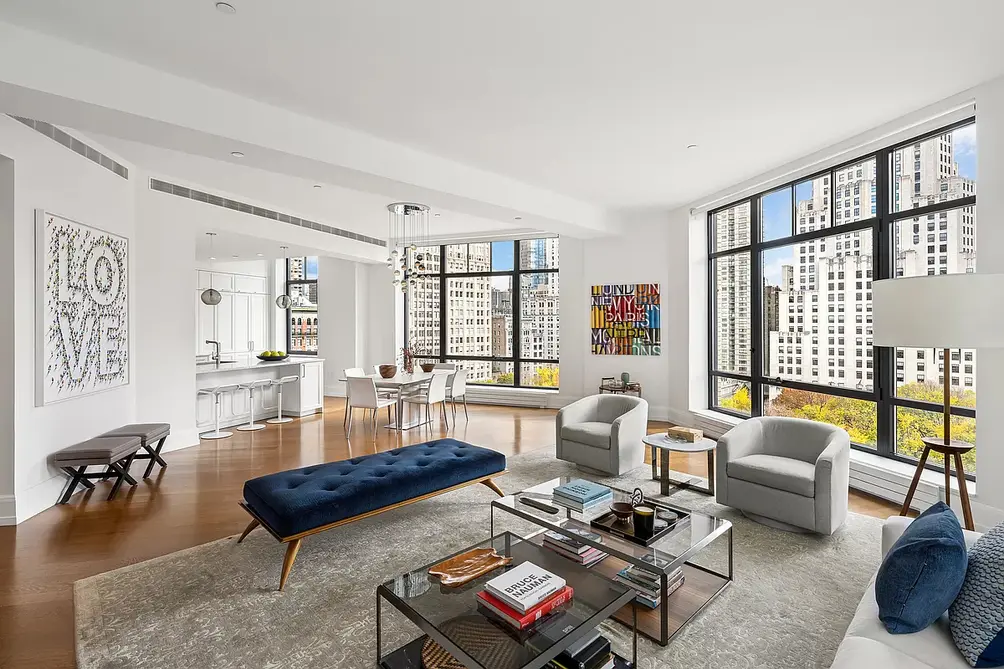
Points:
(407, 230)
(211, 296)
(284, 301)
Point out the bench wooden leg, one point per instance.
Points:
(122, 469)
(76, 476)
(287, 562)
(491, 484)
(155, 457)
(253, 524)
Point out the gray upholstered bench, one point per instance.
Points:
(115, 454)
(149, 433)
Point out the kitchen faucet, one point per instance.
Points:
(216, 351)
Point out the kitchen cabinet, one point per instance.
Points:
(258, 322)
(240, 322)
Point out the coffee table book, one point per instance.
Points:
(522, 620)
(524, 586)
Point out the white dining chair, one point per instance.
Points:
(363, 391)
(349, 373)
(458, 390)
(434, 394)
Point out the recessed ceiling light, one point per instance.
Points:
(260, 255)
(436, 215)
(691, 146)
(235, 256)
(212, 257)
(237, 154)
(317, 185)
(519, 218)
(226, 8)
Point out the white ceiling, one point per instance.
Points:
(226, 245)
(589, 98)
(344, 208)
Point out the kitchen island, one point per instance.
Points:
(303, 397)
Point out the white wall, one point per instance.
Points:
(166, 285)
(7, 353)
(649, 251)
(47, 175)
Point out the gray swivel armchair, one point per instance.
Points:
(603, 433)
(785, 472)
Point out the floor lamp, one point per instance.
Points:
(942, 311)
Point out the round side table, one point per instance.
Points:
(954, 450)
(662, 445)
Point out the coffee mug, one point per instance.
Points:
(644, 521)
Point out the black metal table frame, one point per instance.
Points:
(662, 472)
(666, 637)
(384, 593)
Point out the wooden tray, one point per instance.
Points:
(466, 567)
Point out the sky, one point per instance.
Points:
(501, 256)
(310, 268)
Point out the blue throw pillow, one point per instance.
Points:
(977, 616)
(922, 573)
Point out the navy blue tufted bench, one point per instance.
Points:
(294, 504)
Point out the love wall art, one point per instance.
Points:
(82, 280)
(626, 319)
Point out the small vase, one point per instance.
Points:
(625, 378)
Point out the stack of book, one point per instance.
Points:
(523, 595)
(647, 585)
(590, 652)
(573, 549)
(582, 495)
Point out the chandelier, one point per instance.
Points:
(407, 230)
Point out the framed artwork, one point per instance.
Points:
(626, 319)
(82, 324)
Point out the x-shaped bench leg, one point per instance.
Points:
(154, 455)
(76, 477)
(122, 469)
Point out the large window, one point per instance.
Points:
(790, 276)
(489, 307)
(301, 286)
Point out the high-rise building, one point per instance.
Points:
(732, 280)
(824, 329)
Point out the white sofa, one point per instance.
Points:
(867, 645)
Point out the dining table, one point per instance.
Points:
(401, 384)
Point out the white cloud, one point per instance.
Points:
(772, 272)
(964, 140)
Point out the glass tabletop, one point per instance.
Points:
(453, 615)
(691, 533)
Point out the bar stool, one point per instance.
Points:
(251, 387)
(217, 393)
(279, 383)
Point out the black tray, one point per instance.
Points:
(624, 529)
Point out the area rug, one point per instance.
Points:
(216, 605)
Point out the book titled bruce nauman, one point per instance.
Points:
(525, 586)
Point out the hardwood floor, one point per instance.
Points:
(195, 500)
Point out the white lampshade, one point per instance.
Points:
(940, 311)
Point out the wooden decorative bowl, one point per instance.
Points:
(428, 366)
(622, 510)
(468, 566)
(388, 371)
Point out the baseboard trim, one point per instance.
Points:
(8, 511)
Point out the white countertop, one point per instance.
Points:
(254, 363)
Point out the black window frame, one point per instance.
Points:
(515, 274)
(289, 310)
(882, 227)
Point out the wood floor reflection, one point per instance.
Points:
(195, 501)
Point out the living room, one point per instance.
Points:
(715, 303)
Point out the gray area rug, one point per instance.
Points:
(216, 605)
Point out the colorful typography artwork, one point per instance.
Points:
(626, 319)
(83, 309)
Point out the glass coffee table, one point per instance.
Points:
(450, 616)
(699, 544)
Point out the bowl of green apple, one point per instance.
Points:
(272, 356)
